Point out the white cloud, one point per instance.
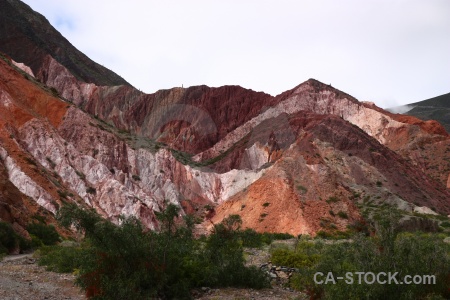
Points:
(388, 52)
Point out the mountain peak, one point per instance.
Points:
(29, 38)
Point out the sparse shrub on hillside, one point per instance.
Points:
(302, 188)
(51, 162)
(81, 175)
(91, 190)
(54, 92)
(332, 199)
(342, 214)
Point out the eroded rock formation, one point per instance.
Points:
(72, 131)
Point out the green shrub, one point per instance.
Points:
(60, 259)
(80, 174)
(323, 234)
(445, 224)
(332, 199)
(8, 238)
(46, 233)
(342, 214)
(91, 190)
(36, 242)
(250, 238)
(302, 188)
(294, 259)
(129, 262)
(388, 251)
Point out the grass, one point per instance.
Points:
(302, 188)
(332, 199)
(342, 215)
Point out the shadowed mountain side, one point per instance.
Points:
(437, 108)
(29, 38)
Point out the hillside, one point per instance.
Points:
(23, 28)
(71, 131)
(437, 108)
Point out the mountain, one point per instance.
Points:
(23, 28)
(437, 108)
(299, 162)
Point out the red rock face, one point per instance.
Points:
(328, 159)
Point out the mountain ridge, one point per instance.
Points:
(122, 152)
(21, 25)
(436, 108)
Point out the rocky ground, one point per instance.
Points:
(22, 279)
(276, 293)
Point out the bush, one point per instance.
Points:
(45, 233)
(445, 224)
(225, 260)
(129, 262)
(60, 259)
(8, 238)
(388, 251)
(332, 199)
(342, 214)
(91, 190)
(251, 238)
(294, 259)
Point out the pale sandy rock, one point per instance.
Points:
(25, 184)
(256, 155)
(23, 67)
(424, 210)
(5, 99)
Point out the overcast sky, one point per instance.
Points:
(389, 52)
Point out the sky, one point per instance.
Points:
(390, 52)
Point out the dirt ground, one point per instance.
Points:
(22, 279)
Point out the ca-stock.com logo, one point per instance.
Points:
(373, 278)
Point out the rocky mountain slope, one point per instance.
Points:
(298, 162)
(22, 28)
(436, 108)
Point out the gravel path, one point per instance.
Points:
(276, 293)
(21, 278)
